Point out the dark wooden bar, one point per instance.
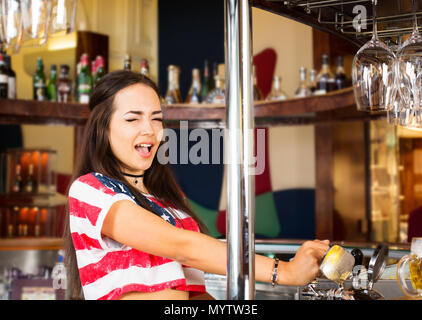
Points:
(36, 112)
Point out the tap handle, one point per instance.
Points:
(357, 253)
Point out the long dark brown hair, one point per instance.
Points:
(95, 155)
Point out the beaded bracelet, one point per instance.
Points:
(274, 275)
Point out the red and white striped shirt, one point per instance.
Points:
(107, 268)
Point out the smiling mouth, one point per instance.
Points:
(144, 149)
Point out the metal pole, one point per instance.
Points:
(239, 148)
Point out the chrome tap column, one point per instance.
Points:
(239, 148)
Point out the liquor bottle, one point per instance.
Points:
(17, 183)
(76, 86)
(341, 79)
(36, 223)
(11, 89)
(30, 181)
(100, 71)
(218, 94)
(93, 72)
(51, 87)
(194, 95)
(39, 83)
(312, 80)
(325, 78)
(145, 67)
(276, 92)
(84, 81)
(206, 85)
(4, 78)
(214, 74)
(58, 273)
(23, 222)
(303, 89)
(127, 63)
(12, 225)
(173, 91)
(64, 85)
(257, 94)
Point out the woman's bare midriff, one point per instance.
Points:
(167, 294)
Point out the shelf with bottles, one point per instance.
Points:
(31, 227)
(275, 106)
(44, 112)
(26, 173)
(60, 88)
(30, 221)
(324, 91)
(335, 100)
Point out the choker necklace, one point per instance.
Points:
(133, 176)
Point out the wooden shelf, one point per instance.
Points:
(31, 244)
(38, 200)
(337, 105)
(42, 112)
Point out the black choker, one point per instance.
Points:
(133, 176)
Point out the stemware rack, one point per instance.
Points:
(340, 17)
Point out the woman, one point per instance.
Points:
(130, 233)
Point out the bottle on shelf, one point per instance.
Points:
(39, 83)
(76, 86)
(341, 79)
(276, 92)
(36, 223)
(127, 64)
(257, 94)
(13, 222)
(312, 80)
(58, 273)
(214, 74)
(84, 81)
(194, 95)
(30, 181)
(51, 87)
(11, 88)
(23, 222)
(93, 72)
(325, 79)
(303, 89)
(64, 85)
(100, 71)
(4, 78)
(17, 182)
(145, 67)
(206, 84)
(173, 90)
(218, 94)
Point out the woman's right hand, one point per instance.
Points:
(304, 267)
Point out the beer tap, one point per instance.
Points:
(339, 265)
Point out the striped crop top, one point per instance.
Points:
(107, 268)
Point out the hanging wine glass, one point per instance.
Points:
(63, 15)
(11, 25)
(36, 19)
(394, 111)
(372, 73)
(409, 75)
(395, 108)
